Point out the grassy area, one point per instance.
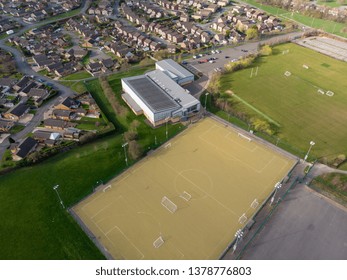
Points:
(43, 72)
(326, 25)
(293, 102)
(17, 128)
(334, 185)
(331, 3)
(95, 89)
(34, 226)
(77, 76)
(91, 124)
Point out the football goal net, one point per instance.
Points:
(158, 242)
(287, 73)
(243, 218)
(186, 196)
(244, 137)
(168, 204)
(254, 204)
(329, 93)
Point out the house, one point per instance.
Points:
(37, 93)
(65, 115)
(5, 126)
(205, 37)
(57, 124)
(49, 138)
(94, 67)
(171, 48)
(24, 149)
(68, 104)
(16, 112)
(154, 46)
(22, 83)
(107, 63)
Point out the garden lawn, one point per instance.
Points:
(294, 101)
(77, 76)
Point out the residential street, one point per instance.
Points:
(23, 67)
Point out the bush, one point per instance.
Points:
(266, 50)
(135, 150)
(130, 135)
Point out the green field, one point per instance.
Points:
(331, 3)
(326, 25)
(293, 102)
(33, 225)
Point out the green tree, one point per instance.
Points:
(261, 125)
(214, 84)
(252, 33)
(266, 50)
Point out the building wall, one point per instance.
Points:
(146, 111)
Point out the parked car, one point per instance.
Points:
(227, 56)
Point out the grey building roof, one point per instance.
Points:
(151, 94)
(19, 110)
(25, 147)
(173, 67)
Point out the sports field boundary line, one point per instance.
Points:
(253, 136)
(89, 234)
(256, 110)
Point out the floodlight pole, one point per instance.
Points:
(238, 235)
(277, 187)
(309, 149)
(56, 190)
(206, 99)
(166, 131)
(125, 153)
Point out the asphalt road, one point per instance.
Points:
(306, 226)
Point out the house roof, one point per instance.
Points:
(70, 103)
(37, 92)
(62, 113)
(7, 82)
(25, 147)
(19, 110)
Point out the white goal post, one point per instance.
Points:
(186, 196)
(254, 204)
(243, 218)
(107, 188)
(168, 204)
(244, 137)
(158, 242)
(329, 93)
(287, 73)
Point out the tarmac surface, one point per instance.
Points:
(306, 226)
(331, 47)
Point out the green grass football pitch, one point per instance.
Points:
(294, 102)
(209, 172)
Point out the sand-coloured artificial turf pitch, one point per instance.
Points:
(223, 172)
